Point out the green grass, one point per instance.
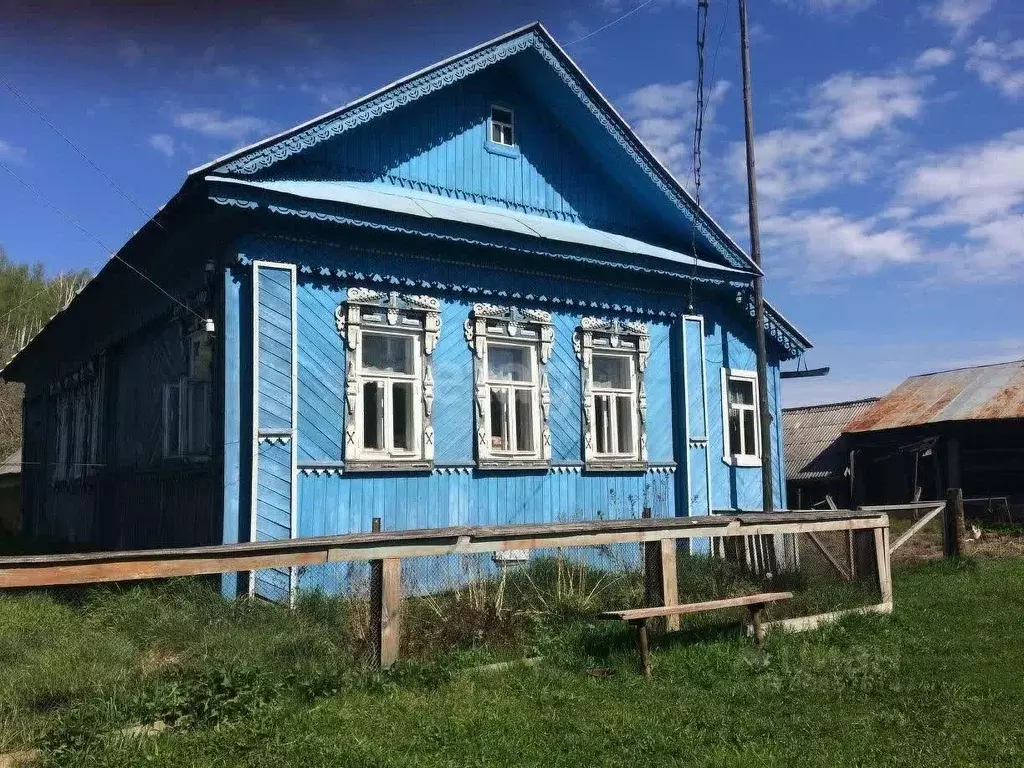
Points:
(938, 683)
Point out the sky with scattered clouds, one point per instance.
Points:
(890, 138)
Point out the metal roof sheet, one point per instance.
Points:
(812, 438)
(965, 394)
(426, 205)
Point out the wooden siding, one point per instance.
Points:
(440, 145)
(275, 349)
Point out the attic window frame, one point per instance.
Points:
(510, 125)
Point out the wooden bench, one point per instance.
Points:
(638, 617)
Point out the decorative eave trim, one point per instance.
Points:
(417, 87)
(390, 223)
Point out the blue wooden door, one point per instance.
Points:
(274, 403)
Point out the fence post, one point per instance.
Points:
(954, 535)
(669, 581)
(882, 562)
(385, 607)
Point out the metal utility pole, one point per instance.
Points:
(755, 252)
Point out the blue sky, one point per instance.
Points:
(890, 139)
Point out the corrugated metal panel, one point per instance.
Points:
(966, 394)
(424, 205)
(812, 438)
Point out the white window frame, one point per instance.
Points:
(630, 338)
(389, 313)
(729, 455)
(532, 385)
(613, 394)
(491, 325)
(387, 380)
(511, 125)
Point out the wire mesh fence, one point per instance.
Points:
(915, 539)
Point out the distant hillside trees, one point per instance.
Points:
(28, 298)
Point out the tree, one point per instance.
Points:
(28, 299)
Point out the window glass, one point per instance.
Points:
(499, 420)
(508, 363)
(524, 420)
(734, 431)
(198, 417)
(624, 423)
(602, 423)
(612, 371)
(373, 416)
(401, 415)
(741, 392)
(749, 443)
(387, 353)
(173, 399)
(501, 126)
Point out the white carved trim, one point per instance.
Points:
(500, 323)
(357, 312)
(621, 336)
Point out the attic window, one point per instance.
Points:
(501, 126)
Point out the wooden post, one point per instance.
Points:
(755, 622)
(954, 535)
(385, 607)
(882, 561)
(852, 558)
(645, 651)
(669, 581)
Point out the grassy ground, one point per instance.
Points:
(939, 683)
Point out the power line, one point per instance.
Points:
(35, 110)
(611, 23)
(698, 129)
(113, 254)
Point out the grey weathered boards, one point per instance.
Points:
(471, 298)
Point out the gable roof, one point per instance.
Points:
(812, 438)
(263, 154)
(981, 392)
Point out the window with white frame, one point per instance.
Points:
(187, 404)
(613, 356)
(389, 388)
(511, 349)
(502, 131)
(389, 383)
(740, 423)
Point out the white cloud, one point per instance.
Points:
(662, 114)
(839, 5)
(933, 58)
(978, 191)
(12, 153)
(215, 124)
(162, 143)
(999, 64)
(821, 244)
(959, 15)
(848, 127)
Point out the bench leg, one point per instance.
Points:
(645, 651)
(755, 622)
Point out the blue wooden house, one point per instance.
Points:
(470, 297)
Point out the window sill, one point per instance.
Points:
(742, 461)
(501, 149)
(384, 465)
(513, 463)
(615, 465)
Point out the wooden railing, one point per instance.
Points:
(384, 550)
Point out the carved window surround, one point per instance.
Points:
(487, 325)
(389, 312)
(619, 338)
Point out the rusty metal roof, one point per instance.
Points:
(812, 435)
(965, 394)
